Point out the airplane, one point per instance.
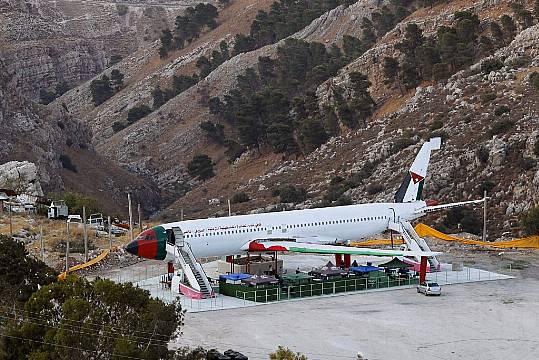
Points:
(319, 230)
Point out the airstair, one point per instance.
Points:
(414, 241)
(192, 270)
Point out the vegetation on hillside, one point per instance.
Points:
(530, 221)
(201, 166)
(188, 27)
(103, 88)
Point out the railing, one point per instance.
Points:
(322, 288)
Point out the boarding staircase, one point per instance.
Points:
(414, 241)
(192, 269)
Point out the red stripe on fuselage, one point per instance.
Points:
(147, 249)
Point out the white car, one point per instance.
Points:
(429, 288)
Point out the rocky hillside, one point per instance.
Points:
(46, 43)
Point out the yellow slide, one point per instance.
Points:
(95, 260)
(530, 242)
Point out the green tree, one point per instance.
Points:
(78, 319)
(240, 197)
(116, 79)
(213, 131)
(391, 69)
(138, 112)
(368, 38)
(292, 194)
(201, 166)
(101, 90)
(20, 273)
(351, 46)
(283, 353)
(534, 80)
(312, 135)
(75, 202)
(362, 103)
(509, 28)
(530, 221)
(497, 34)
(524, 17)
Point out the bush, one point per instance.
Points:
(534, 80)
(67, 164)
(490, 65)
(500, 127)
(101, 90)
(122, 9)
(118, 126)
(486, 185)
(77, 319)
(502, 109)
(240, 197)
(213, 131)
(401, 144)
(468, 220)
(20, 273)
(201, 166)
(530, 221)
(526, 163)
(374, 188)
(487, 97)
(137, 113)
(292, 194)
(482, 154)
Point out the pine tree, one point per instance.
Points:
(391, 70)
(497, 34)
(368, 38)
(117, 79)
(201, 166)
(362, 103)
(158, 97)
(410, 75)
(351, 46)
(101, 90)
(509, 28)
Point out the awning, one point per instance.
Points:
(395, 263)
(234, 277)
(364, 269)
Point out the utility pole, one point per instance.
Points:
(485, 216)
(85, 234)
(130, 217)
(181, 214)
(67, 247)
(229, 208)
(110, 233)
(41, 241)
(139, 218)
(10, 221)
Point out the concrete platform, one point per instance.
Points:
(445, 277)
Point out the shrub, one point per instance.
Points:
(490, 65)
(502, 109)
(486, 185)
(137, 113)
(487, 97)
(536, 147)
(401, 144)
(122, 9)
(201, 166)
(526, 163)
(374, 188)
(500, 127)
(101, 90)
(240, 197)
(118, 126)
(67, 164)
(534, 80)
(292, 194)
(482, 154)
(530, 221)
(213, 131)
(466, 218)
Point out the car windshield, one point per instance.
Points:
(433, 284)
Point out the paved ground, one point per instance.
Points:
(480, 321)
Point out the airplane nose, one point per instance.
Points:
(132, 248)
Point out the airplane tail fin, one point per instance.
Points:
(412, 185)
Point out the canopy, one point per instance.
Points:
(234, 277)
(395, 263)
(364, 269)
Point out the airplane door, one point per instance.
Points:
(393, 215)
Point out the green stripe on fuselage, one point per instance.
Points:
(345, 250)
(161, 242)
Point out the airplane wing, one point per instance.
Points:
(447, 206)
(292, 246)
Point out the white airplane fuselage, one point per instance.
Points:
(331, 225)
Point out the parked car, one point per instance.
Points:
(429, 288)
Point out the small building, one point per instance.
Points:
(58, 210)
